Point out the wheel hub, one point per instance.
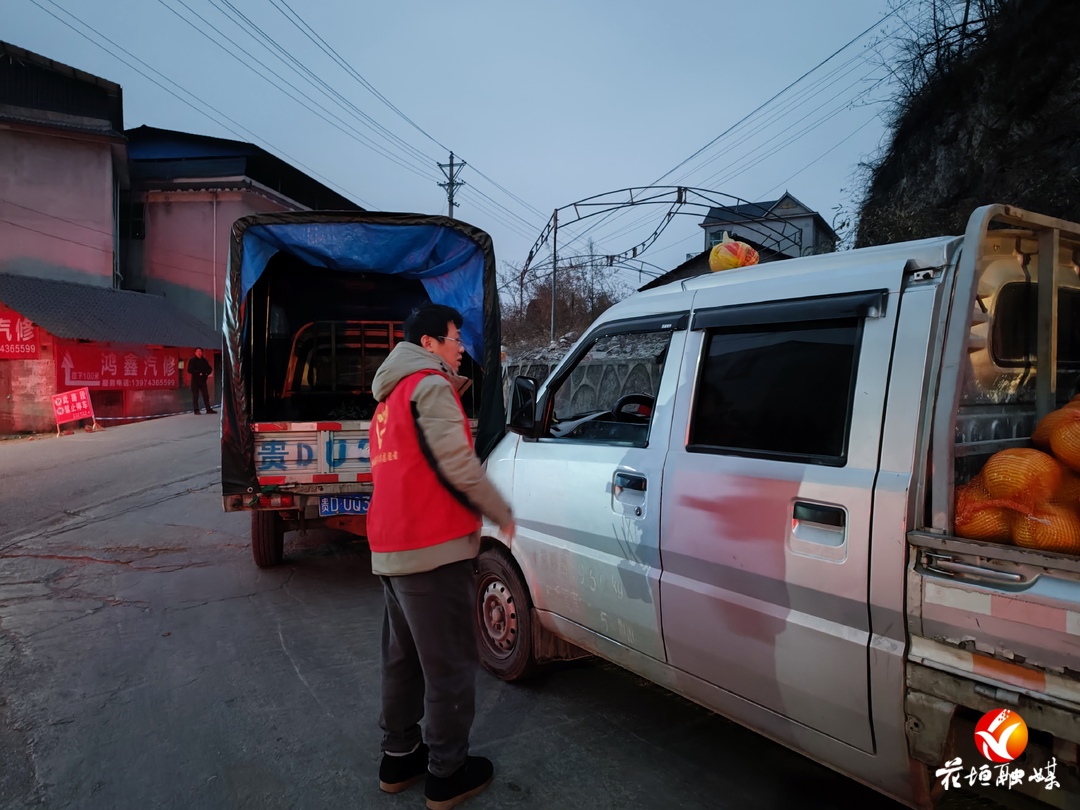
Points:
(500, 616)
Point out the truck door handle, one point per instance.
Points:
(827, 517)
(632, 481)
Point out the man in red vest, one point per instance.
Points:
(429, 492)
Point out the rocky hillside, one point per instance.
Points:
(1000, 124)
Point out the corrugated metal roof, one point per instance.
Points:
(82, 311)
(154, 143)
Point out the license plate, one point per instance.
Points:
(343, 505)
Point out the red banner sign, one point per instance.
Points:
(72, 405)
(109, 369)
(18, 337)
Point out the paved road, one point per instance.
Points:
(145, 662)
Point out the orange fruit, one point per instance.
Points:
(1041, 437)
(1022, 475)
(1068, 493)
(978, 517)
(1051, 527)
(1065, 441)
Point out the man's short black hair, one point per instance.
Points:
(431, 320)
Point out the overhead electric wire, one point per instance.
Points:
(88, 246)
(286, 57)
(818, 86)
(96, 230)
(254, 138)
(326, 48)
(746, 166)
(738, 162)
(850, 135)
(766, 103)
(338, 123)
(844, 105)
(500, 218)
(827, 59)
(293, 17)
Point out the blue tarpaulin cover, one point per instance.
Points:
(448, 263)
(454, 261)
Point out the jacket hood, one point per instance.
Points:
(406, 359)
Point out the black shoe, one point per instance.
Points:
(398, 773)
(211, 410)
(444, 792)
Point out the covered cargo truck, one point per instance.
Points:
(314, 303)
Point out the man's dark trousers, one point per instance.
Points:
(198, 386)
(429, 630)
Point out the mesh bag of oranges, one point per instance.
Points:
(730, 253)
(1027, 496)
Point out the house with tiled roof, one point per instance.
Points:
(778, 229)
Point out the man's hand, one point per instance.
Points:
(508, 530)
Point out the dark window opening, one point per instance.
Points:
(783, 391)
(132, 220)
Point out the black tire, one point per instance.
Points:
(503, 617)
(267, 538)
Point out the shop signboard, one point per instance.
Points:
(105, 368)
(19, 338)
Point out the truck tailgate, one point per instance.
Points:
(1019, 607)
(289, 453)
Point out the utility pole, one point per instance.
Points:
(554, 268)
(451, 181)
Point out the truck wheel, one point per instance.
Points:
(267, 538)
(504, 617)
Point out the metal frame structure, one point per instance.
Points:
(676, 198)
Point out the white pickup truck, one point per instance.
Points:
(314, 303)
(741, 486)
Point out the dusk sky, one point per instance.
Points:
(548, 104)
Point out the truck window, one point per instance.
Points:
(1014, 336)
(783, 391)
(610, 394)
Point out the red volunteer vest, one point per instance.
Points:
(411, 507)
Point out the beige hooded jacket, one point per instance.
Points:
(439, 419)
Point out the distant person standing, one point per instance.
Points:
(199, 369)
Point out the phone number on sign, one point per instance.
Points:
(18, 348)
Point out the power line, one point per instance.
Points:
(337, 122)
(834, 112)
(297, 21)
(92, 229)
(827, 59)
(313, 35)
(821, 84)
(299, 67)
(88, 246)
(252, 135)
(851, 135)
(764, 105)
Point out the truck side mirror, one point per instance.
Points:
(523, 407)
